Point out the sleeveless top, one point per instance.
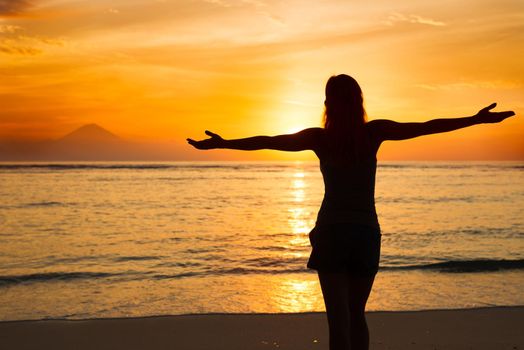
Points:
(349, 195)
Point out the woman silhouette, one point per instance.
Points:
(346, 237)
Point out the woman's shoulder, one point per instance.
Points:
(374, 124)
(374, 130)
(378, 126)
(314, 131)
(315, 134)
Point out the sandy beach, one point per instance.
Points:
(479, 329)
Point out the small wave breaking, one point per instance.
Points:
(254, 267)
(43, 204)
(52, 276)
(465, 266)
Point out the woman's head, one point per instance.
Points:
(344, 104)
(344, 117)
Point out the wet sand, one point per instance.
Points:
(480, 329)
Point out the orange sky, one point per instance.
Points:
(166, 70)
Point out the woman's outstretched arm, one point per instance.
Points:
(306, 139)
(390, 130)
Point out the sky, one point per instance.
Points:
(165, 70)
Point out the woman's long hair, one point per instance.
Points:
(344, 117)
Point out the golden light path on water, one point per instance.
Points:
(298, 294)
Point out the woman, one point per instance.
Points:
(346, 237)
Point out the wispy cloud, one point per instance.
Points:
(13, 7)
(492, 84)
(9, 28)
(219, 3)
(259, 6)
(397, 17)
(13, 49)
(13, 41)
(231, 3)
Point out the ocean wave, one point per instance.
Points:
(428, 200)
(52, 276)
(245, 271)
(137, 258)
(297, 264)
(465, 266)
(271, 262)
(232, 271)
(43, 204)
(452, 165)
(260, 266)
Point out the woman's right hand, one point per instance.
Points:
(214, 142)
(486, 116)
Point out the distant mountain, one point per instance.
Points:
(89, 133)
(90, 142)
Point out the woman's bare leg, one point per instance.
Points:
(335, 289)
(359, 289)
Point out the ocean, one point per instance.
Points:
(115, 239)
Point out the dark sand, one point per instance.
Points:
(479, 329)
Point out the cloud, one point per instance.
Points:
(219, 3)
(19, 50)
(259, 6)
(9, 29)
(14, 42)
(494, 84)
(13, 7)
(396, 17)
(230, 3)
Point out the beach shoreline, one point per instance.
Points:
(478, 328)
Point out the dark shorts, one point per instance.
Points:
(345, 247)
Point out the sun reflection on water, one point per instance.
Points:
(298, 215)
(298, 295)
(294, 294)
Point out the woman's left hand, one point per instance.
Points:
(485, 115)
(214, 142)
